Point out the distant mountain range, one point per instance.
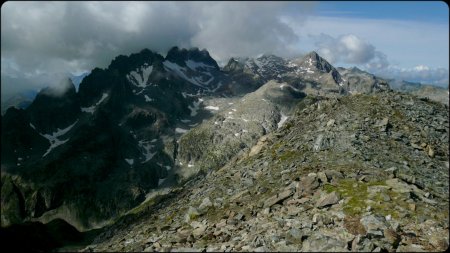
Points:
(88, 155)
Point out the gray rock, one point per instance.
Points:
(374, 225)
(185, 249)
(278, 197)
(321, 243)
(318, 143)
(333, 175)
(410, 248)
(294, 236)
(391, 236)
(307, 185)
(191, 214)
(199, 231)
(206, 203)
(328, 199)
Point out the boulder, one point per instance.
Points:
(374, 225)
(328, 200)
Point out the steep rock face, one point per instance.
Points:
(53, 109)
(195, 67)
(237, 128)
(354, 173)
(94, 154)
(358, 81)
(180, 56)
(20, 142)
(316, 75)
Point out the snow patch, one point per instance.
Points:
(147, 99)
(195, 65)
(180, 130)
(161, 180)
(168, 167)
(148, 155)
(209, 107)
(177, 69)
(129, 161)
(91, 109)
(195, 107)
(53, 138)
(140, 79)
(185, 120)
(282, 120)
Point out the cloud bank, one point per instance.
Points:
(62, 37)
(350, 49)
(43, 42)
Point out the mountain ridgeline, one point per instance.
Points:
(149, 123)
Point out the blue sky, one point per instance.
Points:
(400, 39)
(426, 11)
(42, 42)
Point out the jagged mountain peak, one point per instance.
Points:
(125, 64)
(313, 59)
(180, 56)
(269, 57)
(313, 54)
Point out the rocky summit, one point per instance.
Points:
(175, 153)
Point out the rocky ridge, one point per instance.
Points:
(357, 173)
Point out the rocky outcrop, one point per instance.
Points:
(236, 128)
(358, 81)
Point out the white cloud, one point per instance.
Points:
(348, 48)
(406, 43)
(421, 73)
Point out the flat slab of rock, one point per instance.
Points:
(278, 197)
(328, 200)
